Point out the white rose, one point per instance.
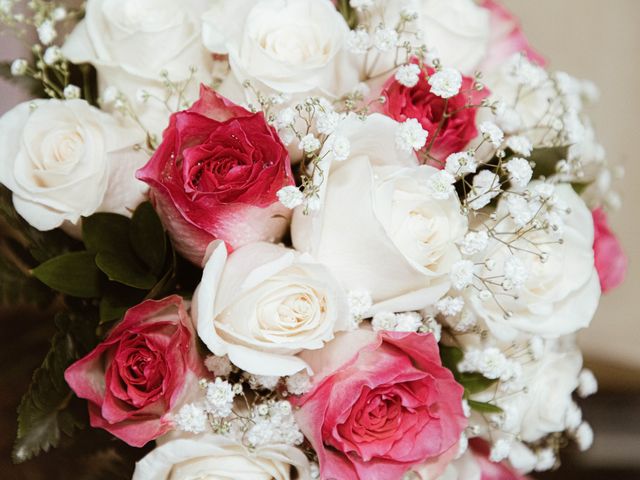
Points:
(458, 30)
(130, 42)
(214, 457)
(290, 46)
(264, 304)
(542, 407)
(380, 228)
(66, 159)
(558, 296)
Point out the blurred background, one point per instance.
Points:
(594, 39)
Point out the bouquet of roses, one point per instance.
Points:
(304, 239)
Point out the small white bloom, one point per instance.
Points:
(408, 75)
(486, 186)
(446, 83)
(59, 14)
(459, 164)
(411, 136)
(474, 242)
(341, 147)
(546, 460)
(312, 203)
(52, 55)
(492, 363)
(588, 384)
(573, 417)
(47, 32)
(360, 302)
(287, 136)
(314, 471)
(219, 396)
(327, 122)
(290, 196)
(584, 436)
(19, 67)
(309, 143)
(520, 145)
(544, 191)
(440, 185)
(515, 273)
(466, 409)
(492, 132)
(384, 321)
(385, 39)
(520, 210)
(450, 306)
(500, 450)
(462, 274)
(285, 118)
(71, 92)
(520, 171)
(408, 322)
(191, 418)
(268, 382)
(299, 384)
(219, 366)
(463, 446)
(430, 325)
(358, 41)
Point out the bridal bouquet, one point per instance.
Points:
(296, 239)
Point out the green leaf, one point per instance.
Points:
(484, 407)
(475, 382)
(125, 270)
(348, 12)
(451, 357)
(148, 238)
(74, 274)
(106, 232)
(44, 414)
(116, 300)
(546, 159)
(21, 288)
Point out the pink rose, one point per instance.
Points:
(611, 262)
(455, 132)
(215, 176)
(141, 372)
(378, 413)
(506, 38)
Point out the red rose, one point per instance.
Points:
(143, 371)
(377, 414)
(611, 262)
(446, 135)
(216, 175)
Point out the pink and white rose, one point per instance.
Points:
(141, 373)
(379, 405)
(216, 175)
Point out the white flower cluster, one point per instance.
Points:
(273, 423)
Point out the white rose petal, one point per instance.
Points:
(264, 304)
